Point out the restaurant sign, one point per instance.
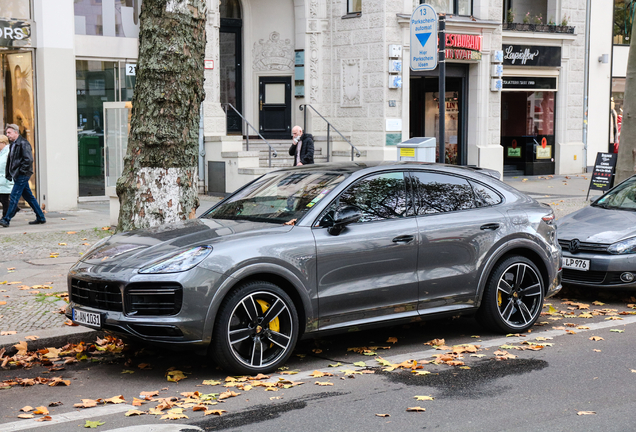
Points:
(463, 47)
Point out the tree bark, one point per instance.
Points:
(626, 162)
(159, 180)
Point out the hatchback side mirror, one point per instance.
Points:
(343, 217)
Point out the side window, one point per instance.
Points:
(484, 196)
(379, 197)
(439, 193)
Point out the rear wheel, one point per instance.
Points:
(513, 297)
(256, 329)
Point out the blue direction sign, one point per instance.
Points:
(423, 28)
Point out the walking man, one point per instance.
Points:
(19, 169)
(302, 147)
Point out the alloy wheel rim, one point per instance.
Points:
(260, 330)
(519, 292)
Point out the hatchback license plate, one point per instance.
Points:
(88, 318)
(576, 264)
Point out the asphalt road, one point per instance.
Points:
(537, 390)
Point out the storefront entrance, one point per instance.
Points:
(527, 126)
(16, 88)
(424, 111)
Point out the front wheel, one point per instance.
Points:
(256, 329)
(513, 297)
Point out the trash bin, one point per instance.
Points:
(420, 149)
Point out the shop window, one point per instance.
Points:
(454, 7)
(616, 112)
(97, 82)
(623, 11)
(16, 9)
(118, 18)
(16, 92)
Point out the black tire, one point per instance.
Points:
(513, 297)
(249, 340)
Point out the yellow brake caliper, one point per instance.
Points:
(274, 325)
(499, 299)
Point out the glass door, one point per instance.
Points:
(231, 72)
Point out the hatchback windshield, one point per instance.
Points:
(278, 197)
(623, 197)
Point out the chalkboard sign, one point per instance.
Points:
(603, 174)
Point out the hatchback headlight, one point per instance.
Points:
(180, 262)
(627, 246)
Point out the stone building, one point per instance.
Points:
(514, 86)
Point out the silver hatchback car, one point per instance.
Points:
(323, 248)
(599, 241)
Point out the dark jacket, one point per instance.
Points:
(306, 150)
(20, 160)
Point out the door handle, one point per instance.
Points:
(261, 105)
(403, 239)
(489, 227)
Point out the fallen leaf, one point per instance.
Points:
(383, 415)
(392, 340)
(71, 232)
(227, 394)
(41, 410)
(335, 365)
(134, 412)
(61, 244)
(25, 416)
(586, 413)
(596, 350)
(324, 383)
(318, 374)
(211, 382)
(87, 403)
(127, 371)
(596, 338)
(2, 303)
(54, 404)
(45, 418)
(32, 338)
(26, 408)
(360, 364)
(423, 398)
(617, 331)
(8, 333)
(416, 409)
(115, 400)
(93, 424)
(174, 414)
(215, 412)
(175, 375)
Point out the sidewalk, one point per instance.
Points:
(36, 258)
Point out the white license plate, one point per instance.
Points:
(89, 318)
(576, 264)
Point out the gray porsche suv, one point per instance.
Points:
(324, 248)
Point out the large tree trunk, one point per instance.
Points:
(159, 181)
(626, 163)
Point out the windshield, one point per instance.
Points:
(282, 197)
(623, 197)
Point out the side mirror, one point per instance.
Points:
(343, 217)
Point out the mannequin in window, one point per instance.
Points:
(613, 126)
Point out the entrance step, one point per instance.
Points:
(512, 171)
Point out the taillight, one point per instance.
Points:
(549, 219)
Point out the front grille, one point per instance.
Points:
(585, 247)
(154, 299)
(96, 294)
(591, 277)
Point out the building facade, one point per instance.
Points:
(514, 85)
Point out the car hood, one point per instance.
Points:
(134, 249)
(597, 225)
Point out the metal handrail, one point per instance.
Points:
(247, 135)
(329, 126)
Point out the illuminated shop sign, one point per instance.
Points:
(532, 55)
(463, 47)
(15, 33)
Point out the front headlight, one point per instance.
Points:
(180, 262)
(627, 246)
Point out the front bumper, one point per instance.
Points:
(605, 271)
(166, 309)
